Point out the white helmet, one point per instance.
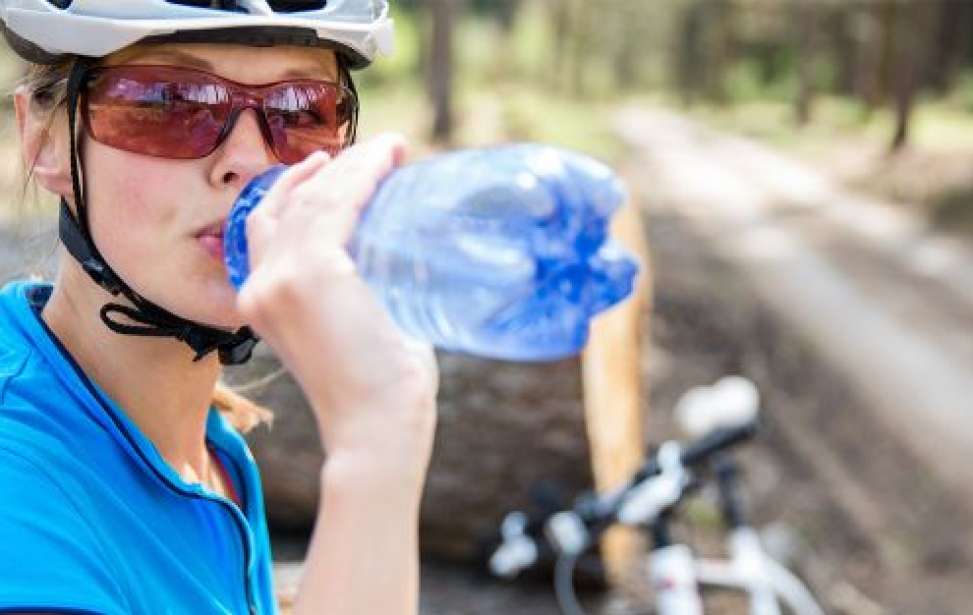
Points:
(43, 31)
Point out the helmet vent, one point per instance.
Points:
(220, 5)
(296, 6)
(279, 6)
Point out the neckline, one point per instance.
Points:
(232, 493)
(219, 434)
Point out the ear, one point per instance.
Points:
(45, 152)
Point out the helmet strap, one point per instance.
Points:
(234, 348)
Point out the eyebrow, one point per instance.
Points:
(308, 72)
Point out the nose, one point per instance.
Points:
(244, 153)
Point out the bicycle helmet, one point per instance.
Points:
(51, 31)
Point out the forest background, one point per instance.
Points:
(881, 91)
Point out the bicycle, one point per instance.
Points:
(721, 417)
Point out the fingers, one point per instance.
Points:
(261, 224)
(310, 213)
(291, 178)
(332, 196)
(353, 176)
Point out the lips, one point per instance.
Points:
(210, 239)
(214, 230)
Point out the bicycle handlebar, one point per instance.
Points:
(599, 512)
(595, 511)
(592, 514)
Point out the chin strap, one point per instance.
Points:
(234, 347)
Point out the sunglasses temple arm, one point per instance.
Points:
(346, 75)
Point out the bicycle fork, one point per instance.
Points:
(672, 573)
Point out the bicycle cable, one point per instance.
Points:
(567, 599)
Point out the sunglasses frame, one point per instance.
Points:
(242, 97)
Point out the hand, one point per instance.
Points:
(372, 387)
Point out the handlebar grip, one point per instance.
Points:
(698, 451)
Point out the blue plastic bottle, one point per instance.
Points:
(499, 252)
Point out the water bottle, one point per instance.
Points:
(499, 252)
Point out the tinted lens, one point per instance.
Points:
(156, 111)
(307, 116)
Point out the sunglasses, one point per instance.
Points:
(174, 112)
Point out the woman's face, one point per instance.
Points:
(152, 217)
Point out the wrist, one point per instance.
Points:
(356, 475)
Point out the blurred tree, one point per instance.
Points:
(718, 18)
(869, 26)
(689, 63)
(911, 26)
(561, 19)
(840, 47)
(642, 38)
(595, 47)
(882, 52)
(628, 47)
(439, 65)
(953, 25)
(505, 12)
(581, 13)
(705, 49)
(806, 14)
(407, 6)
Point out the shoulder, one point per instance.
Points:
(14, 358)
(13, 361)
(49, 556)
(16, 346)
(34, 506)
(38, 416)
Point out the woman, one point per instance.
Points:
(122, 489)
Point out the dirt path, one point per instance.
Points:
(859, 280)
(856, 321)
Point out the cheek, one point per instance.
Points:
(129, 194)
(143, 212)
(133, 214)
(133, 207)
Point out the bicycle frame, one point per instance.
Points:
(677, 576)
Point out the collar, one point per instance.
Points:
(29, 299)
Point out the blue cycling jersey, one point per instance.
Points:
(92, 518)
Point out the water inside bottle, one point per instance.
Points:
(518, 268)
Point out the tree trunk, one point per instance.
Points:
(842, 49)
(507, 14)
(688, 61)
(440, 65)
(717, 26)
(911, 35)
(562, 34)
(868, 28)
(952, 31)
(581, 48)
(805, 16)
(629, 48)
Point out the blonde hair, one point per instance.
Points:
(48, 88)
